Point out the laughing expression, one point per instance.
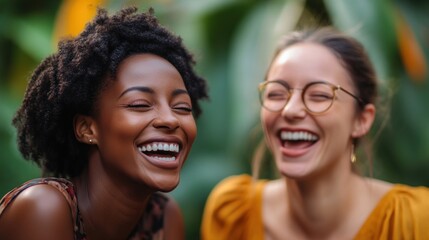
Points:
(144, 123)
(305, 144)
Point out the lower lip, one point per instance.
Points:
(163, 164)
(295, 152)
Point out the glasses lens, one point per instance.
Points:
(318, 97)
(274, 96)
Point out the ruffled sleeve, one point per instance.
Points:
(403, 213)
(233, 210)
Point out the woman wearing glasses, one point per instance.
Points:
(318, 101)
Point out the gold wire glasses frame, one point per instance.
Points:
(317, 96)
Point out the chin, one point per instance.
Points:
(167, 188)
(166, 184)
(295, 171)
(293, 175)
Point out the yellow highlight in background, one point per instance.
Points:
(72, 17)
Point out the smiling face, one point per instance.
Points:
(305, 144)
(143, 126)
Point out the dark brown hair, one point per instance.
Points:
(69, 82)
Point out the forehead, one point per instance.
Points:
(146, 68)
(143, 70)
(308, 62)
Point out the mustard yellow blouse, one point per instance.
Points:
(234, 211)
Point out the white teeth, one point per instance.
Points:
(166, 159)
(298, 136)
(153, 147)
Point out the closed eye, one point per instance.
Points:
(276, 96)
(184, 108)
(320, 97)
(138, 105)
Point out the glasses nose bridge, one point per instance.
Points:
(299, 95)
(291, 92)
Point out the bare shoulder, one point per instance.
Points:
(379, 187)
(274, 202)
(38, 212)
(273, 192)
(173, 221)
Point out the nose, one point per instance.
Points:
(166, 119)
(294, 108)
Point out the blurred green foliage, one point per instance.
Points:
(25, 38)
(232, 41)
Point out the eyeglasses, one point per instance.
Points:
(317, 97)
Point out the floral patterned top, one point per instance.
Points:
(150, 227)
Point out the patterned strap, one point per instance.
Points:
(150, 226)
(62, 185)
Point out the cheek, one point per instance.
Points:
(121, 127)
(126, 125)
(267, 119)
(268, 122)
(338, 123)
(189, 126)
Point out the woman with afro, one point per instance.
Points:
(110, 119)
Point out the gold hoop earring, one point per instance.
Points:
(353, 155)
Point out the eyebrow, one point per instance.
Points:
(150, 90)
(140, 89)
(281, 81)
(180, 91)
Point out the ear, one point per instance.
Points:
(84, 129)
(363, 121)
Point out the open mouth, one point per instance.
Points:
(162, 151)
(297, 139)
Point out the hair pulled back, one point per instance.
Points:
(348, 50)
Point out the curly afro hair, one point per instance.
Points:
(69, 81)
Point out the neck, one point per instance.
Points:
(323, 206)
(110, 208)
